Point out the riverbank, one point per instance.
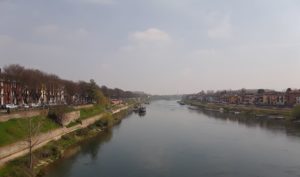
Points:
(52, 150)
(249, 110)
(172, 140)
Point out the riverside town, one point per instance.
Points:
(38, 108)
(258, 97)
(149, 88)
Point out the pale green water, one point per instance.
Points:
(171, 140)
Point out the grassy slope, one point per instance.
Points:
(55, 149)
(89, 112)
(17, 129)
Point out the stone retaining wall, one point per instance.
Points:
(23, 114)
(83, 106)
(69, 117)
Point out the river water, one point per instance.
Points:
(173, 140)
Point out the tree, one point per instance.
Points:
(100, 98)
(243, 91)
(32, 80)
(296, 112)
(96, 94)
(34, 126)
(260, 91)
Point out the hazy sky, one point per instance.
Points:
(157, 46)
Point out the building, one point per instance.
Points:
(12, 92)
(248, 99)
(116, 101)
(298, 100)
(1, 92)
(292, 97)
(281, 99)
(274, 98)
(233, 99)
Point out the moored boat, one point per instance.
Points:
(142, 109)
(181, 102)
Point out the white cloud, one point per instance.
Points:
(151, 35)
(147, 41)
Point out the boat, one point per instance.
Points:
(141, 114)
(142, 109)
(181, 102)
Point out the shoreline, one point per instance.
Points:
(249, 110)
(54, 149)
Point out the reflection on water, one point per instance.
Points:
(174, 141)
(274, 125)
(89, 148)
(142, 114)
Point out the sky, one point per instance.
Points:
(157, 46)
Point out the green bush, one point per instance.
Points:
(57, 112)
(296, 112)
(226, 110)
(66, 137)
(41, 173)
(56, 151)
(100, 124)
(107, 120)
(82, 132)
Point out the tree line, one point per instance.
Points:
(33, 79)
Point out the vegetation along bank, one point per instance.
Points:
(54, 149)
(288, 114)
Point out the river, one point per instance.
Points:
(174, 141)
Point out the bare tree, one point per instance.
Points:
(34, 128)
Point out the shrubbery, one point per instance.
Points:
(296, 112)
(107, 120)
(82, 132)
(57, 112)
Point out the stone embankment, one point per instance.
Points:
(32, 113)
(83, 106)
(23, 114)
(69, 117)
(21, 148)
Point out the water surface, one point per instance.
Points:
(172, 140)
